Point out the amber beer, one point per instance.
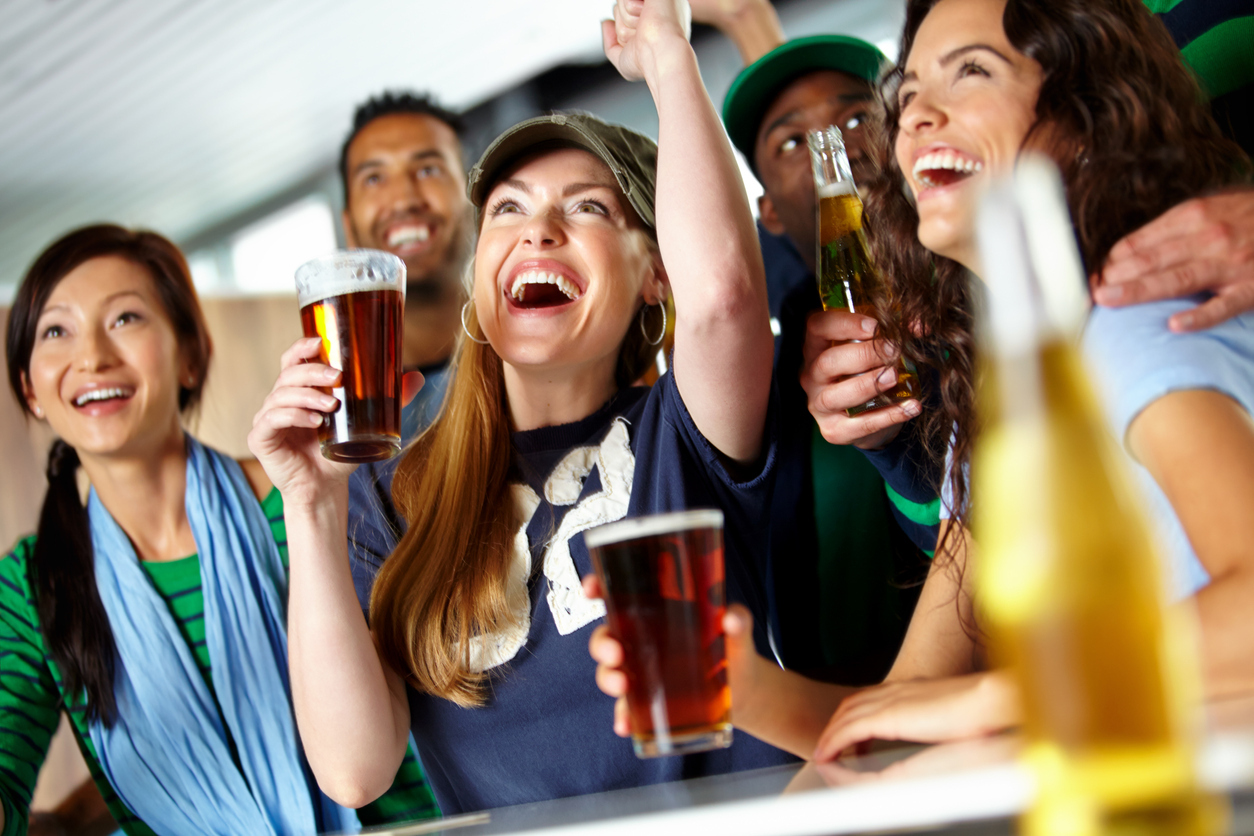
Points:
(846, 274)
(665, 599)
(1068, 582)
(354, 302)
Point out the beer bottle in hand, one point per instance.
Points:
(1067, 581)
(846, 274)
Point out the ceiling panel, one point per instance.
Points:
(177, 114)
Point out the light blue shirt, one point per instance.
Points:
(1135, 360)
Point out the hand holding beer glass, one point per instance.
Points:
(662, 577)
(846, 274)
(354, 302)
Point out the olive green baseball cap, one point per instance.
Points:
(753, 91)
(631, 156)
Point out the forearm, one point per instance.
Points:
(753, 27)
(353, 726)
(710, 249)
(785, 709)
(1227, 631)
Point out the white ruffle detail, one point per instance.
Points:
(565, 483)
(488, 651)
(617, 465)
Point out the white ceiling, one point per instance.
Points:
(177, 114)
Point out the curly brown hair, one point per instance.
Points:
(1133, 137)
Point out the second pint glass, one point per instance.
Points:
(665, 597)
(354, 302)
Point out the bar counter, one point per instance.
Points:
(969, 787)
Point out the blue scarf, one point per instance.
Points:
(167, 754)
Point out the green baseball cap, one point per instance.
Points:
(631, 156)
(753, 91)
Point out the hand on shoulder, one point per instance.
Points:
(1203, 244)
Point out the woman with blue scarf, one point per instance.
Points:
(155, 613)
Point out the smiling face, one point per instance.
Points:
(563, 264)
(105, 366)
(968, 101)
(809, 103)
(406, 193)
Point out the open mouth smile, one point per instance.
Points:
(944, 168)
(533, 289)
(106, 394)
(409, 236)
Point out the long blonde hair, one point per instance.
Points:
(446, 582)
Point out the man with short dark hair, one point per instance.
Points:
(405, 192)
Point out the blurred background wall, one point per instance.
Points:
(219, 122)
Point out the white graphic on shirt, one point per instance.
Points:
(571, 609)
(488, 651)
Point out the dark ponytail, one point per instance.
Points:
(72, 616)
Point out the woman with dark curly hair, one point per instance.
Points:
(1098, 86)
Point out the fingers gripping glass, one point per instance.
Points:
(354, 302)
(664, 595)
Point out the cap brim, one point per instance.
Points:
(524, 137)
(758, 84)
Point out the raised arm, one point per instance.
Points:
(351, 708)
(723, 343)
(752, 25)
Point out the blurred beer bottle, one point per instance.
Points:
(846, 273)
(1067, 579)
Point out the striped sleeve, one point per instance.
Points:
(410, 797)
(29, 697)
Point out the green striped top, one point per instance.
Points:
(32, 692)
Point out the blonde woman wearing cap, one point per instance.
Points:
(478, 626)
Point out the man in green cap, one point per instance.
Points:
(842, 556)
(846, 620)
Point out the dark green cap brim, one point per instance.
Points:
(631, 156)
(756, 87)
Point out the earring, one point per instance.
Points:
(466, 307)
(38, 410)
(661, 335)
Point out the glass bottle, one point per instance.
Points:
(845, 272)
(1068, 583)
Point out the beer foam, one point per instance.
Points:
(837, 189)
(635, 528)
(348, 271)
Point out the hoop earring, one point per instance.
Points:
(644, 333)
(467, 330)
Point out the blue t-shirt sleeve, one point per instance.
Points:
(1135, 359)
(677, 468)
(374, 527)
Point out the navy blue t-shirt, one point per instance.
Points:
(546, 730)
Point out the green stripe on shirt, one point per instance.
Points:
(32, 690)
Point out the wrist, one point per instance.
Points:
(754, 28)
(325, 506)
(667, 56)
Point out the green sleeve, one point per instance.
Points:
(29, 697)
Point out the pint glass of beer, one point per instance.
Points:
(846, 273)
(354, 302)
(664, 594)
